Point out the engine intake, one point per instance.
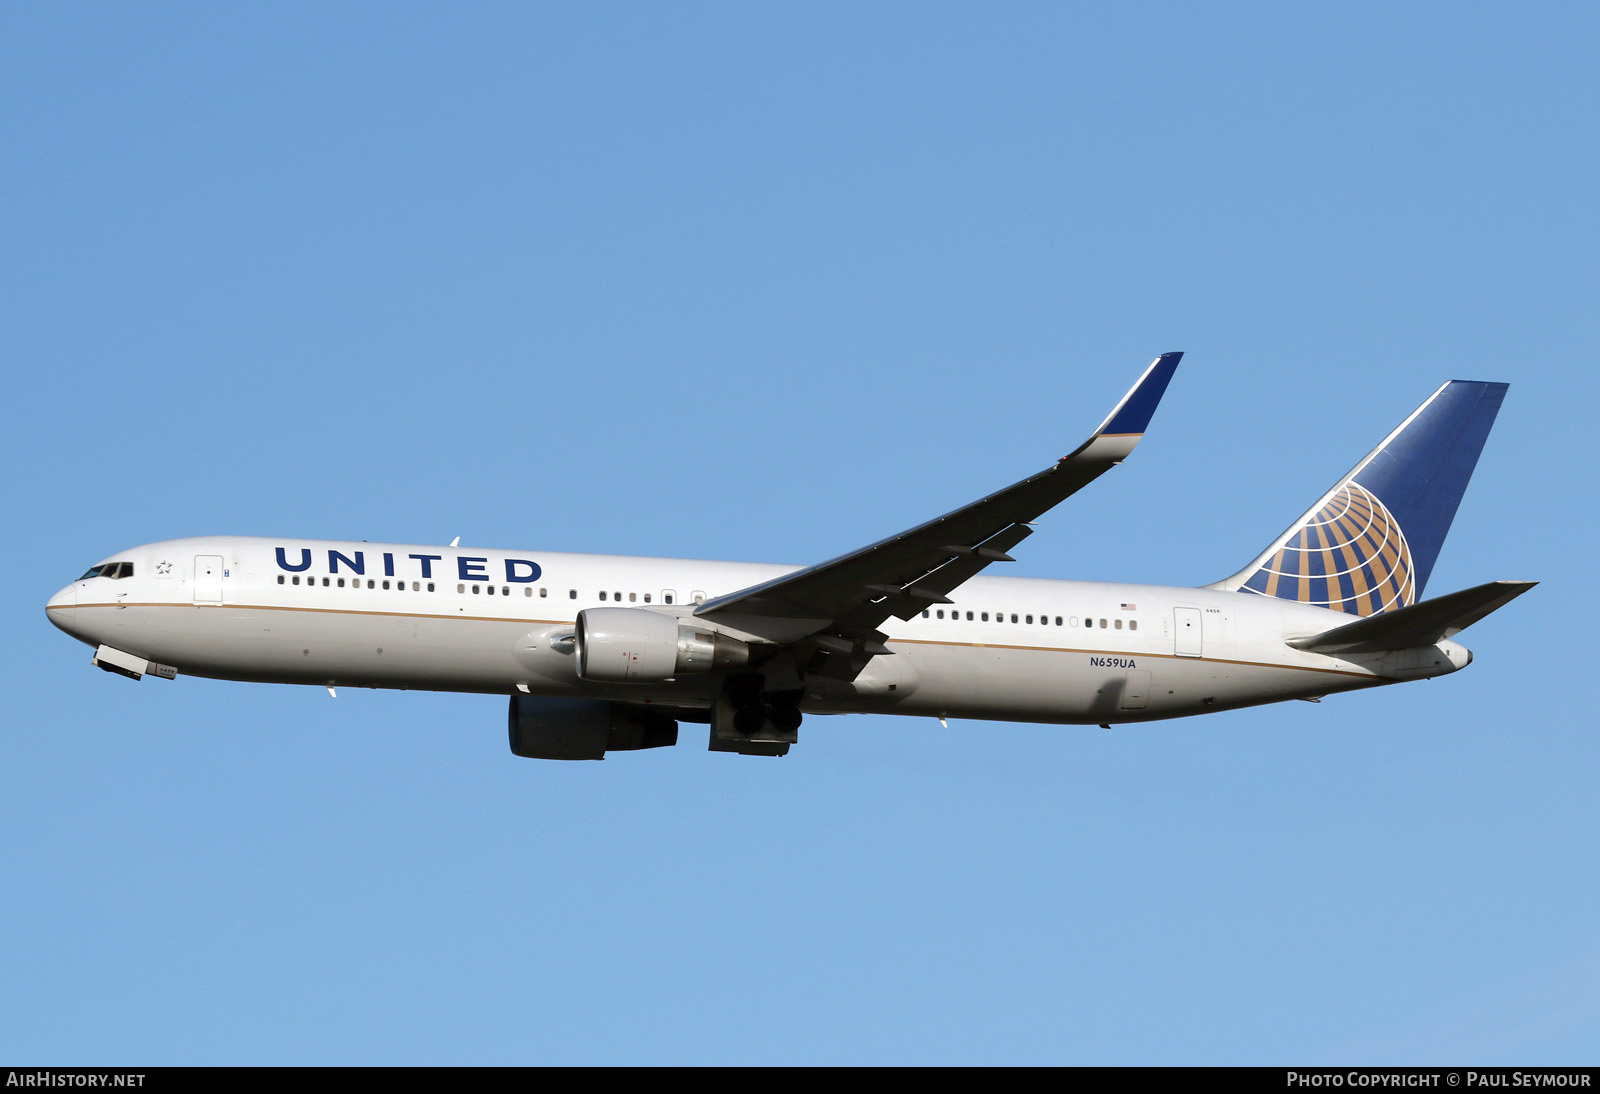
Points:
(638, 646)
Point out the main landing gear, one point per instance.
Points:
(753, 721)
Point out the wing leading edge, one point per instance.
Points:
(839, 604)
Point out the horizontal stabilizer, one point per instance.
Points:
(1418, 624)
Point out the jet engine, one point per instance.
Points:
(584, 729)
(638, 646)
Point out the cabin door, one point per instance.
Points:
(1186, 632)
(208, 579)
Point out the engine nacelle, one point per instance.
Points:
(638, 646)
(584, 729)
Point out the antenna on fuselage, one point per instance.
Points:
(456, 542)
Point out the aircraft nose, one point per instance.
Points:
(62, 607)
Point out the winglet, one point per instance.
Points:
(1126, 423)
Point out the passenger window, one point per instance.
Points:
(371, 584)
(1119, 624)
(572, 594)
(1013, 617)
(324, 583)
(1102, 624)
(1028, 619)
(925, 613)
(699, 597)
(543, 593)
(617, 597)
(647, 598)
(461, 588)
(430, 586)
(416, 586)
(985, 617)
(280, 580)
(505, 590)
(1058, 621)
(296, 579)
(1133, 624)
(1072, 621)
(667, 596)
(633, 598)
(385, 584)
(602, 594)
(939, 614)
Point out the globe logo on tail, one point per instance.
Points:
(1350, 555)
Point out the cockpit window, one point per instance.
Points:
(109, 569)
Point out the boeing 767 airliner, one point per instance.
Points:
(604, 652)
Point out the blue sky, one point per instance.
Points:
(762, 282)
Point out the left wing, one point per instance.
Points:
(841, 603)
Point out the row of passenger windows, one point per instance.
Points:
(1044, 620)
(355, 583)
(125, 569)
(667, 595)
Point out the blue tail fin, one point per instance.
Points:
(1371, 542)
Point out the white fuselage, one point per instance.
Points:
(470, 619)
